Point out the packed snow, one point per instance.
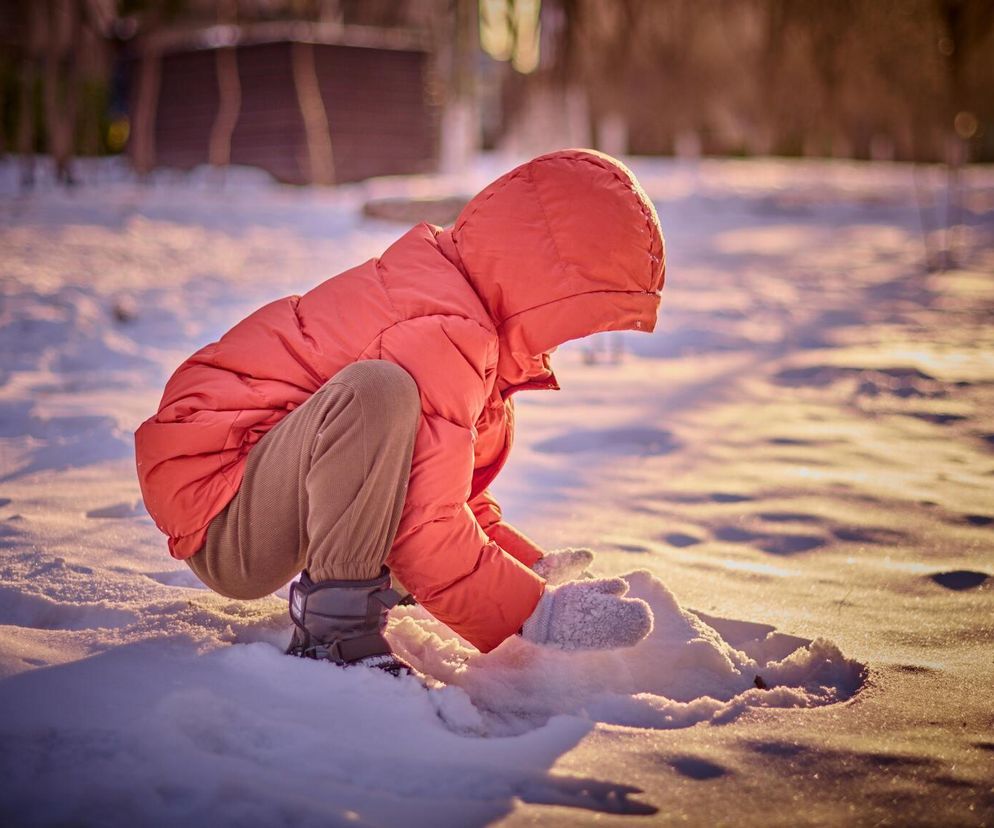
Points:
(794, 471)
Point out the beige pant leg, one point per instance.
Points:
(323, 490)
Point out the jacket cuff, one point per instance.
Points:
(538, 625)
(491, 603)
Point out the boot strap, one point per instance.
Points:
(348, 650)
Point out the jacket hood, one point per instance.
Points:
(561, 247)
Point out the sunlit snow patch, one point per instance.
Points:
(685, 672)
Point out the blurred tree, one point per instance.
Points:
(901, 79)
(229, 90)
(61, 80)
(963, 27)
(860, 78)
(32, 55)
(57, 94)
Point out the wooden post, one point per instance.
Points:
(321, 160)
(61, 93)
(146, 104)
(229, 106)
(31, 60)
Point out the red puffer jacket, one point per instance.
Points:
(561, 247)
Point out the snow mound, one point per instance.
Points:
(175, 722)
(683, 673)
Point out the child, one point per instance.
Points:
(351, 433)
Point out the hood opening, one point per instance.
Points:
(559, 248)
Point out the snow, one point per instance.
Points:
(794, 472)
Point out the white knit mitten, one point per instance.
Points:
(588, 615)
(563, 565)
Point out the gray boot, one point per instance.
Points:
(343, 622)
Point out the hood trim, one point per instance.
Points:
(524, 353)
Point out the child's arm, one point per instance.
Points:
(487, 511)
(459, 574)
(555, 566)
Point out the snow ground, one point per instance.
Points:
(795, 471)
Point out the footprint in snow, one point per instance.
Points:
(730, 497)
(904, 383)
(735, 534)
(637, 548)
(937, 418)
(681, 540)
(624, 441)
(855, 534)
(960, 579)
(790, 441)
(709, 497)
(788, 517)
(693, 767)
(774, 544)
(791, 544)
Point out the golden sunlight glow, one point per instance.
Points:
(526, 27)
(117, 134)
(510, 29)
(495, 29)
(966, 125)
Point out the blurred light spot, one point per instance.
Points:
(526, 27)
(117, 134)
(495, 29)
(510, 30)
(965, 124)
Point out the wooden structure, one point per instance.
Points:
(306, 102)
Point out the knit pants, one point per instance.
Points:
(323, 489)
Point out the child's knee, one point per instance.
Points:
(388, 394)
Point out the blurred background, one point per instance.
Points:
(801, 454)
(327, 91)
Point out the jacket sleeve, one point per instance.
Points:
(488, 513)
(441, 553)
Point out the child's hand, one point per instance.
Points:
(563, 565)
(588, 615)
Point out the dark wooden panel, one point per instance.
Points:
(378, 115)
(188, 100)
(380, 118)
(270, 130)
